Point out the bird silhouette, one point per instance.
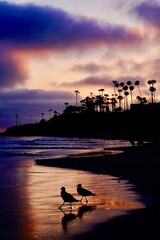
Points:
(67, 197)
(84, 192)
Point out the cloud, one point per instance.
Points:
(12, 72)
(34, 96)
(31, 26)
(29, 30)
(89, 67)
(103, 81)
(149, 12)
(89, 81)
(27, 103)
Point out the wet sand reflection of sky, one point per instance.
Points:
(30, 193)
(112, 198)
(31, 199)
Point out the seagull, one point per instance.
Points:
(84, 192)
(67, 197)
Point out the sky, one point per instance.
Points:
(49, 49)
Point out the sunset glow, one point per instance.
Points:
(49, 49)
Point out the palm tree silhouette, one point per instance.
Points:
(101, 91)
(120, 98)
(131, 88)
(42, 114)
(141, 100)
(152, 89)
(99, 102)
(116, 86)
(76, 92)
(88, 104)
(125, 88)
(126, 93)
(113, 102)
(107, 101)
(50, 113)
(91, 94)
(121, 84)
(17, 117)
(66, 103)
(137, 84)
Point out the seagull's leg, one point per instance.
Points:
(81, 199)
(86, 199)
(61, 205)
(70, 205)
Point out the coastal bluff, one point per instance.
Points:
(130, 125)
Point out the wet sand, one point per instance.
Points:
(141, 166)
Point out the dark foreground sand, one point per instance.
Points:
(140, 165)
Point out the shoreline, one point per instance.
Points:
(138, 164)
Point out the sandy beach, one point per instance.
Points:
(140, 165)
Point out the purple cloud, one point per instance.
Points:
(37, 28)
(34, 28)
(27, 103)
(11, 71)
(31, 26)
(150, 12)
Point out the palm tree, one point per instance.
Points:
(120, 98)
(137, 84)
(121, 84)
(125, 88)
(42, 114)
(66, 103)
(50, 113)
(91, 94)
(99, 102)
(129, 83)
(116, 85)
(126, 93)
(152, 89)
(107, 101)
(55, 113)
(17, 117)
(76, 92)
(131, 88)
(101, 91)
(113, 103)
(141, 100)
(88, 104)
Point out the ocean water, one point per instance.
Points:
(30, 194)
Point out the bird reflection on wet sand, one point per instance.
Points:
(85, 208)
(69, 216)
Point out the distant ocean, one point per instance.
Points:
(30, 194)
